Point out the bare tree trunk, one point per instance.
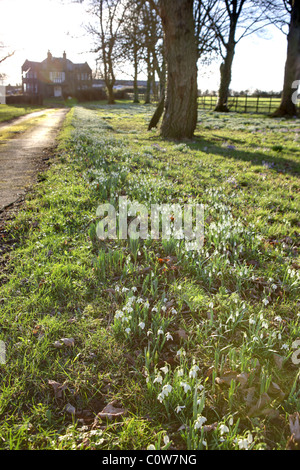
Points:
(135, 83)
(225, 74)
(180, 116)
(149, 78)
(292, 66)
(110, 93)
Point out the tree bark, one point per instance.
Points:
(292, 66)
(180, 116)
(110, 93)
(225, 79)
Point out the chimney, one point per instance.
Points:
(49, 56)
(64, 55)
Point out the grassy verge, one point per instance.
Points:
(192, 350)
(8, 112)
(13, 130)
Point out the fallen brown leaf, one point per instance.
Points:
(57, 388)
(111, 412)
(294, 441)
(262, 402)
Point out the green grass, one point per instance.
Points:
(8, 112)
(196, 346)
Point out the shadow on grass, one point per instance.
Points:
(281, 164)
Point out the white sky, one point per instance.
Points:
(31, 27)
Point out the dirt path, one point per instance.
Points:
(22, 157)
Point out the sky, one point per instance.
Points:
(32, 27)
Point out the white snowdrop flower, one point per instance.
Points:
(211, 305)
(146, 304)
(149, 332)
(164, 369)
(142, 325)
(180, 372)
(160, 332)
(252, 321)
(273, 286)
(285, 346)
(124, 289)
(265, 302)
(200, 387)
(265, 324)
(154, 309)
(158, 379)
(179, 408)
(166, 440)
(174, 311)
(140, 300)
(118, 314)
(186, 387)
(134, 289)
(204, 443)
(181, 352)
(193, 371)
(117, 289)
(231, 421)
(151, 447)
(164, 308)
(223, 429)
(278, 318)
(169, 337)
(199, 422)
(245, 443)
(167, 389)
(128, 330)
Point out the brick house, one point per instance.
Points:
(55, 77)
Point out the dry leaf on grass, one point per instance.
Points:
(69, 342)
(57, 388)
(249, 394)
(181, 334)
(230, 375)
(276, 391)
(294, 441)
(278, 361)
(111, 412)
(70, 409)
(261, 403)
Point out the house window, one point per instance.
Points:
(57, 77)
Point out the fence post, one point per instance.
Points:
(257, 104)
(246, 103)
(270, 105)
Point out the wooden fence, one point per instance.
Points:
(243, 104)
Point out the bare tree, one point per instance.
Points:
(109, 15)
(132, 41)
(154, 51)
(232, 21)
(180, 110)
(3, 50)
(287, 105)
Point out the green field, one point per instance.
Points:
(194, 349)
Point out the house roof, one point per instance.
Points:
(56, 64)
